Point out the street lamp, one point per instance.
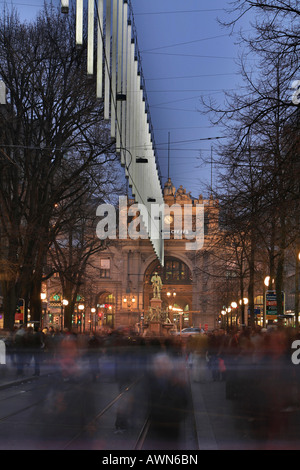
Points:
(228, 310)
(244, 301)
(180, 313)
(64, 303)
(80, 308)
(223, 313)
(173, 294)
(265, 285)
(129, 301)
(93, 311)
(234, 306)
(44, 305)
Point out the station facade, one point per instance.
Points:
(121, 288)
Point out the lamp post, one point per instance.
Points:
(180, 313)
(234, 306)
(64, 303)
(228, 310)
(265, 285)
(81, 309)
(243, 302)
(44, 306)
(171, 295)
(93, 311)
(129, 301)
(223, 313)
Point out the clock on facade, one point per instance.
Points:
(168, 219)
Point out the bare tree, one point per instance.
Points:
(259, 159)
(75, 242)
(52, 132)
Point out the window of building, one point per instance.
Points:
(105, 268)
(175, 271)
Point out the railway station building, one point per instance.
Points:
(120, 291)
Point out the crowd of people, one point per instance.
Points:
(255, 365)
(29, 349)
(261, 379)
(155, 365)
(220, 351)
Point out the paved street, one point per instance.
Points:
(221, 423)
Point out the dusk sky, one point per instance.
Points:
(185, 54)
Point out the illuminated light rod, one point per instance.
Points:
(119, 84)
(65, 6)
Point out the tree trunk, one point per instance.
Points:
(10, 301)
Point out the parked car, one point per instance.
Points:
(189, 331)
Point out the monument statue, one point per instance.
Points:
(156, 285)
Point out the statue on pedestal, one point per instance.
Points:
(156, 285)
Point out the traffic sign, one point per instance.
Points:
(19, 314)
(271, 302)
(256, 311)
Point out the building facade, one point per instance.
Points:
(121, 275)
(197, 285)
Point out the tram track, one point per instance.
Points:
(22, 393)
(76, 393)
(143, 434)
(101, 413)
(189, 432)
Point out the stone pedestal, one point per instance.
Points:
(156, 304)
(155, 327)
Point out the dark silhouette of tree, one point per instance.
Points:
(51, 133)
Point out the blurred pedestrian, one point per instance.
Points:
(34, 348)
(93, 354)
(19, 344)
(168, 400)
(67, 356)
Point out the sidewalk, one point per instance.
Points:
(9, 377)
